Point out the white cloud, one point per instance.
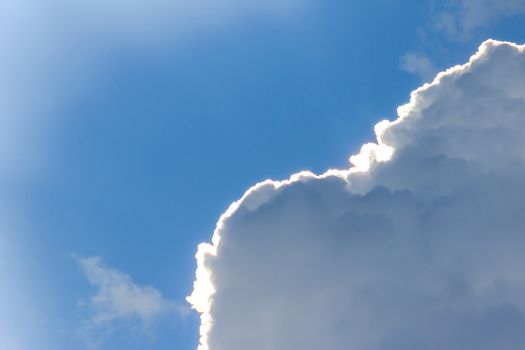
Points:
(460, 18)
(455, 21)
(118, 301)
(418, 64)
(422, 251)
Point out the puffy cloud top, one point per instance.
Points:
(418, 246)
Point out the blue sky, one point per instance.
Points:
(129, 128)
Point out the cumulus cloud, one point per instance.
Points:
(419, 245)
(460, 18)
(119, 301)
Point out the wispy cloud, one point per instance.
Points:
(454, 22)
(418, 64)
(120, 303)
(458, 19)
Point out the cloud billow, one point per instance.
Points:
(418, 246)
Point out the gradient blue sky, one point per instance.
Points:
(128, 129)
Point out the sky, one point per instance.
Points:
(130, 132)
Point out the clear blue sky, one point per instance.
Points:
(130, 129)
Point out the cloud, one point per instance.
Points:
(458, 19)
(418, 64)
(455, 21)
(418, 246)
(119, 302)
